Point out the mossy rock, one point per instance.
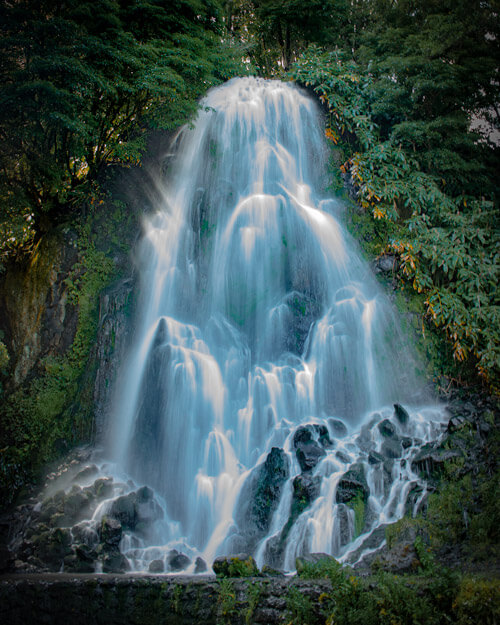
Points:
(241, 565)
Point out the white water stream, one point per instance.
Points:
(256, 316)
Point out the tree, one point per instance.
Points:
(82, 83)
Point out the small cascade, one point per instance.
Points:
(255, 412)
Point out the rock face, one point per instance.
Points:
(112, 339)
(36, 316)
(260, 497)
(308, 450)
(352, 485)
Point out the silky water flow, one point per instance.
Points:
(256, 403)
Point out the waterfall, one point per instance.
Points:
(257, 398)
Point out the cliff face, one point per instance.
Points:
(36, 317)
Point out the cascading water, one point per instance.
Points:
(256, 402)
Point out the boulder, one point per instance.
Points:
(110, 532)
(241, 565)
(352, 484)
(136, 510)
(375, 458)
(177, 561)
(337, 428)
(307, 450)
(156, 566)
(260, 496)
(401, 414)
(386, 428)
(392, 448)
(305, 490)
(200, 566)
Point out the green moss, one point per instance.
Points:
(358, 505)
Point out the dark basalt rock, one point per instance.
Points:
(386, 428)
(307, 450)
(352, 484)
(306, 489)
(337, 428)
(308, 455)
(401, 414)
(138, 507)
(392, 448)
(110, 532)
(200, 566)
(375, 458)
(407, 442)
(177, 561)
(260, 496)
(430, 459)
(156, 566)
(342, 457)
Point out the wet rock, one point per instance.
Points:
(337, 428)
(50, 547)
(81, 560)
(135, 510)
(102, 487)
(308, 451)
(324, 436)
(401, 414)
(406, 442)
(156, 566)
(110, 532)
(386, 428)
(352, 484)
(414, 495)
(260, 497)
(365, 440)
(114, 562)
(304, 310)
(200, 566)
(375, 458)
(177, 561)
(241, 565)
(343, 457)
(306, 488)
(392, 448)
(430, 460)
(86, 473)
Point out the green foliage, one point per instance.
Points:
(254, 592)
(358, 505)
(478, 601)
(299, 608)
(83, 81)
(400, 112)
(226, 600)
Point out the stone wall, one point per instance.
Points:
(128, 600)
